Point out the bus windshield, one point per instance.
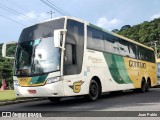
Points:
(35, 52)
(37, 57)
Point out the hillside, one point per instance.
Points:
(144, 33)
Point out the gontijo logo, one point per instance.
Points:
(137, 64)
(76, 86)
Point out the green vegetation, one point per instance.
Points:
(144, 33)
(6, 66)
(10, 95)
(7, 95)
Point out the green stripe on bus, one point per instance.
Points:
(38, 79)
(117, 68)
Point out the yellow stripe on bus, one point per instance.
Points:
(137, 69)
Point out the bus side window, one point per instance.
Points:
(74, 46)
(124, 47)
(70, 61)
(70, 54)
(132, 50)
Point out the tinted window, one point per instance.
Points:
(123, 47)
(141, 54)
(145, 54)
(111, 43)
(132, 50)
(95, 39)
(41, 30)
(103, 41)
(74, 48)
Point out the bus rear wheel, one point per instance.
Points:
(54, 99)
(147, 87)
(94, 91)
(143, 87)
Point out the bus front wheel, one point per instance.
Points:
(94, 91)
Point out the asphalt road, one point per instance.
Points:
(122, 104)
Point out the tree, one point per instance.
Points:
(125, 27)
(6, 66)
(115, 30)
(144, 32)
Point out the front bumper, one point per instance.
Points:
(48, 90)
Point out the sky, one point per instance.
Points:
(15, 15)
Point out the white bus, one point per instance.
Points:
(70, 57)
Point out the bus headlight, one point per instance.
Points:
(52, 80)
(16, 82)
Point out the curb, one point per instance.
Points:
(20, 101)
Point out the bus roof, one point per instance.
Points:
(125, 38)
(114, 34)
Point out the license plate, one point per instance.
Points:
(32, 91)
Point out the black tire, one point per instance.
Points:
(54, 99)
(143, 87)
(147, 87)
(94, 91)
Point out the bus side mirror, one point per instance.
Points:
(4, 51)
(58, 36)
